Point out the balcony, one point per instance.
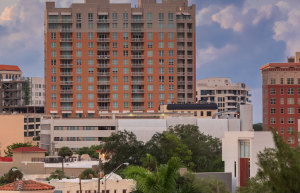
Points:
(103, 56)
(180, 30)
(53, 21)
(140, 108)
(66, 65)
(103, 73)
(190, 48)
(190, 100)
(190, 83)
(181, 90)
(137, 73)
(103, 99)
(137, 91)
(137, 56)
(66, 30)
(180, 100)
(137, 82)
(66, 82)
(66, 100)
(66, 108)
(103, 91)
(180, 40)
(102, 108)
(103, 82)
(180, 73)
(190, 39)
(103, 39)
(189, 30)
(137, 21)
(189, 56)
(189, 20)
(137, 47)
(137, 100)
(180, 65)
(66, 74)
(66, 39)
(137, 39)
(64, 91)
(249, 95)
(137, 29)
(180, 48)
(137, 65)
(103, 65)
(190, 90)
(180, 20)
(190, 65)
(103, 30)
(181, 83)
(66, 56)
(103, 20)
(103, 48)
(180, 56)
(66, 48)
(60, 20)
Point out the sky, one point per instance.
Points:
(234, 37)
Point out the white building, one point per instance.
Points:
(37, 88)
(223, 92)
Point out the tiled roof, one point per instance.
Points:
(26, 185)
(9, 67)
(286, 65)
(28, 149)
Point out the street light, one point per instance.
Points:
(15, 169)
(106, 178)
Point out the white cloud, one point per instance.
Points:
(264, 11)
(203, 16)
(9, 13)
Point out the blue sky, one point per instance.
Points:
(234, 37)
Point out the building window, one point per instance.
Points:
(171, 95)
(290, 130)
(78, 53)
(90, 25)
(291, 120)
(171, 53)
(125, 25)
(291, 140)
(161, 35)
(78, 62)
(290, 110)
(115, 17)
(273, 111)
(290, 101)
(78, 70)
(171, 61)
(150, 70)
(170, 25)
(282, 120)
(126, 105)
(171, 35)
(53, 78)
(149, 53)
(91, 105)
(281, 80)
(115, 53)
(161, 53)
(125, 79)
(115, 105)
(161, 87)
(171, 87)
(149, 25)
(161, 79)
(78, 36)
(53, 62)
(53, 53)
(91, 70)
(281, 101)
(114, 35)
(125, 96)
(150, 62)
(150, 105)
(78, 25)
(272, 91)
(282, 130)
(125, 36)
(125, 44)
(91, 62)
(90, 79)
(115, 79)
(115, 87)
(115, 25)
(90, 53)
(79, 88)
(79, 105)
(150, 87)
(273, 120)
(115, 70)
(273, 101)
(53, 96)
(290, 91)
(171, 45)
(125, 70)
(171, 78)
(53, 36)
(78, 45)
(161, 25)
(53, 70)
(281, 91)
(90, 44)
(79, 79)
(53, 87)
(53, 105)
(125, 88)
(91, 87)
(150, 78)
(150, 96)
(273, 81)
(161, 96)
(53, 44)
(290, 80)
(149, 17)
(282, 110)
(90, 35)
(161, 17)
(125, 53)
(115, 44)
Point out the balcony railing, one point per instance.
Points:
(137, 82)
(66, 82)
(137, 73)
(103, 108)
(180, 100)
(103, 73)
(189, 20)
(137, 29)
(64, 91)
(180, 56)
(103, 20)
(66, 73)
(190, 90)
(137, 47)
(66, 100)
(180, 65)
(137, 65)
(66, 48)
(66, 65)
(190, 48)
(189, 56)
(180, 48)
(66, 30)
(66, 56)
(103, 30)
(190, 65)
(180, 20)
(137, 91)
(137, 56)
(66, 39)
(103, 56)
(180, 40)
(189, 30)
(103, 99)
(181, 83)
(190, 39)
(103, 48)
(66, 108)
(60, 20)
(103, 82)
(137, 21)
(180, 73)
(137, 100)
(103, 65)
(181, 90)
(190, 73)
(103, 91)
(137, 39)
(103, 39)
(190, 82)
(180, 29)
(137, 108)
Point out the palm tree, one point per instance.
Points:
(160, 181)
(149, 162)
(57, 174)
(65, 151)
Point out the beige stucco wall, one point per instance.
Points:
(30, 139)
(11, 131)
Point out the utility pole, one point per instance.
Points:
(99, 175)
(217, 186)
(80, 183)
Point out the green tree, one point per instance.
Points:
(149, 162)
(91, 151)
(88, 174)
(57, 174)
(257, 127)
(15, 146)
(160, 181)
(65, 151)
(279, 169)
(11, 176)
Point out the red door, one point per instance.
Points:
(244, 171)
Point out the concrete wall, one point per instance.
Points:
(226, 177)
(246, 117)
(11, 131)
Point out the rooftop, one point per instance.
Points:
(212, 106)
(9, 67)
(28, 149)
(26, 185)
(284, 65)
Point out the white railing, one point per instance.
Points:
(137, 39)
(180, 56)
(103, 20)
(66, 100)
(103, 73)
(137, 108)
(137, 82)
(103, 30)
(103, 48)
(103, 56)
(66, 39)
(181, 90)
(137, 73)
(103, 39)
(66, 56)
(103, 65)
(137, 21)
(103, 99)
(137, 100)
(137, 47)
(66, 48)
(66, 73)
(137, 65)
(103, 91)
(66, 65)
(66, 108)
(137, 29)
(66, 30)
(137, 90)
(103, 82)
(137, 56)
(66, 82)
(66, 91)
(103, 108)
(180, 39)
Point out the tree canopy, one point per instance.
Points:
(257, 127)
(91, 151)
(57, 174)
(88, 174)
(10, 176)
(15, 146)
(65, 151)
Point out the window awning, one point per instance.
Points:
(66, 13)
(137, 13)
(115, 111)
(79, 111)
(185, 13)
(53, 13)
(91, 111)
(53, 111)
(102, 112)
(102, 13)
(178, 13)
(66, 112)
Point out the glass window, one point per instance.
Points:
(115, 87)
(170, 25)
(78, 53)
(115, 105)
(78, 36)
(78, 70)
(161, 44)
(161, 35)
(161, 87)
(125, 96)
(79, 105)
(149, 16)
(78, 44)
(171, 35)
(53, 78)
(161, 70)
(90, 35)
(171, 87)
(90, 79)
(161, 25)
(150, 96)
(115, 62)
(79, 79)
(150, 62)
(53, 70)
(150, 87)
(79, 87)
(90, 44)
(114, 35)
(53, 87)
(125, 62)
(115, 79)
(78, 62)
(53, 53)
(150, 70)
(125, 71)
(91, 62)
(245, 149)
(150, 53)
(126, 105)
(161, 17)
(161, 96)
(53, 105)
(150, 35)
(53, 44)
(91, 105)
(125, 88)
(150, 105)
(79, 96)
(91, 96)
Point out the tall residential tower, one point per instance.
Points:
(103, 57)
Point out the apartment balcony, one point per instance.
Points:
(137, 47)
(190, 48)
(102, 108)
(190, 73)
(180, 48)
(103, 56)
(180, 30)
(103, 39)
(137, 21)
(103, 91)
(181, 83)
(103, 20)
(103, 99)
(189, 20)
(180, 56)
(103, 74)
(66, 108)
(53, 21)
(66, 39)
(140, 108)
(137, 65)
(137, 91)
(189, 56)
(190, 100)
(66, 65)
(180, 73)
(103, 82)
(103, 65)
(180, 39)
(190, 40)
(66, 48)
(60, 20)
(180, 20)
(249, 95)
(137, 82)
(180, 65)
(137, 29)
(66, 82)
(137, 73)
(66, 100)
(181, 100)
(103, 30)
(137, 100)
(189, 30)
(66, 74)
(66, 30)
(137, 39)
(137, 56)
(64, 91)
(180, 90)
(190, 82)
(190, 90)
(190, 65)
(230, 101)
(103, 48)
(66, 56)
